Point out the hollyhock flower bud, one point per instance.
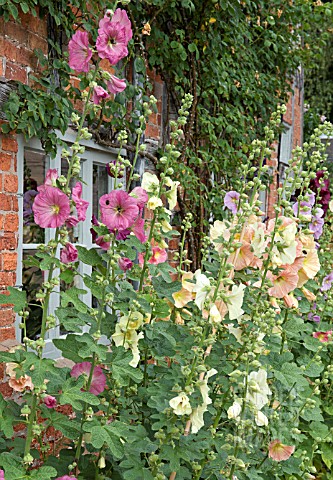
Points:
(69, 254)
(125, 264)
(49, 401)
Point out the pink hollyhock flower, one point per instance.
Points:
(51, 208)
(125, 263)
(71, 221)
(99, 95)
(69, 254)
(231, 200)
(81, 205)
(116, 85)
(323, 337)
(118, 210)
(2, 475)
(111, 42)
(159, 256)
(120, 16)
(79, 52)
(98, 381)
(277, 451)
(140, 195)
(50, 180)
(66, 477)
(138, 228)
(49, 401)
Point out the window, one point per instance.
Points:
(32, 167)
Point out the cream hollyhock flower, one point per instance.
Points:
(257, 389)
(236, 332)
(166, 227)
(259, 240)
(234, 301)
(181, 404)
(150, 182)
(234, 411)
(197, 418)
(217, 230)
(128, 337)
(171, 195)
(261, 419)
(203, 386)
(154, 202)
(215, 315)
(201, 288)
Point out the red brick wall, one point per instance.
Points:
(17, 42)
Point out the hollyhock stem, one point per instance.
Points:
(29, 436)
(137, 146)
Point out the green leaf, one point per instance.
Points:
(327, 454)
(89, 257)
(165, 289)
(16, 297)
(122, 372)
(6, 419)
(73, 395)
(72, 296)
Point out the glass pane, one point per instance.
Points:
(100, 185)
(34, 176)
(32, 279)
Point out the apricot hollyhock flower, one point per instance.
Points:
(118, 210)
(182, 297)
(51, 208)
(98, 381)
(283, 283)
(21, 383)
(323, 337)
(112, 41)
(310, 267)
(79, 52)
(277, 451)
(115, 84)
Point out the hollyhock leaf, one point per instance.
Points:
(73, 395)
(69, 347)
(291, 374)
(89, 257)
(67, 276)
(327, 454)
(318, 429)
(72, 296)
(122, 372)
(165, 289)
(98, 437)
(70, 428)
(70, 320)
(43, 473)
(16, 297)
(91, 347)
(6, 419)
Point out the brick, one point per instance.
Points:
(14, 203)
(7, 318)
(2, 70)
(9, 144)
(7, 333)
(5, 161)
(36, 42)
(9, 261)
(2, 221)
(8, 241)
(7, 279)
(16, 32)
(5, 202)
(8, 49)
(14, 72)
(152, 131)
(5, 389)
(11, 222)
(10, 183)
(173, 244)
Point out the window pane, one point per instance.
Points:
(34, 176)
(32, 279)
(100, 185)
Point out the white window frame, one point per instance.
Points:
(94, 155)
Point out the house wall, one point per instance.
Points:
(17, 42)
